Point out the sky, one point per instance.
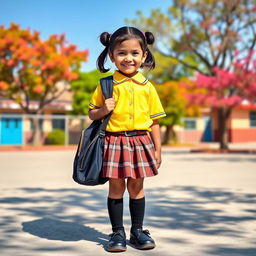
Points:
(82, 21)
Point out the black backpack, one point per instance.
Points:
(88, 162)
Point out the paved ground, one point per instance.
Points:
(200, 204)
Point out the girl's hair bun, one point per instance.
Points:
(105, 38)
(150, 39)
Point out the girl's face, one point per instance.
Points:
(128, 57)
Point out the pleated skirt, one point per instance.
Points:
(126, 156)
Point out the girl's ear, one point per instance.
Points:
(145, 54)
(111, 57)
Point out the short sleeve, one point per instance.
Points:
(155, 108)
(97, 100)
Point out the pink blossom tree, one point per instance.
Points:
(203, 36)
(226, 89)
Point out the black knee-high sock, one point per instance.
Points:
(115, 211)
(137, 211)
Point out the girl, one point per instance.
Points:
(132, 144)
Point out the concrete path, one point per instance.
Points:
(199, 204)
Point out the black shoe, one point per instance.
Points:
(141, 239)
(117, 241)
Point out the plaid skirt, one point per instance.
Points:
(126, 156)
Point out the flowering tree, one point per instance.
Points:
(206, 37)
(199, 34)
(30, 68)
(225, 90)
(176, 105)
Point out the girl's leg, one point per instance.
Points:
(115, 203)
(117, 242)
(139, 237)
(137, 201)
(116, 188)
(135, 188)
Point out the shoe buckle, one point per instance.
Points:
(146, 232)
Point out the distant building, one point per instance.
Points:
(241, 126)
(16, 127)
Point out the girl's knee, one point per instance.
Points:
(135, 188)
(116, 188)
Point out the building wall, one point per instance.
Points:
(62, 106)
(240, 130)
(184, 136)
(238, 125)
(72, 127)
(195, 135)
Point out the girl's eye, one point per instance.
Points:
(135, 53)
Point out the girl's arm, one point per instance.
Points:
(99, 113)
(156, 137)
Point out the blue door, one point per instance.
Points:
(207, 135)
(11, 131)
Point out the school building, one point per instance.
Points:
(16, 128)
(241, 126)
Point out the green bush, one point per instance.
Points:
(56, 137)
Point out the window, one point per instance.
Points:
(253, 119)
(7, 123)
(190, 124)
(58, 122)
(32, 128)
(16, 123)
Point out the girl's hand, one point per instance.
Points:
(158, 159)
(109, 105)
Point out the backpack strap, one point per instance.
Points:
(106, 84)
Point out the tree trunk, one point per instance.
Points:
(223, 115)
(169, 134)
(36, 137)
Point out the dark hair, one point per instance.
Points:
(120, 35)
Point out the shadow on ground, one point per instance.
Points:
(54, 229)
(183, 208)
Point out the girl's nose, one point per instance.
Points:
(128, 58)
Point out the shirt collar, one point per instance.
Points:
(137, 78)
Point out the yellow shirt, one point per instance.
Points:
(137, 103)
